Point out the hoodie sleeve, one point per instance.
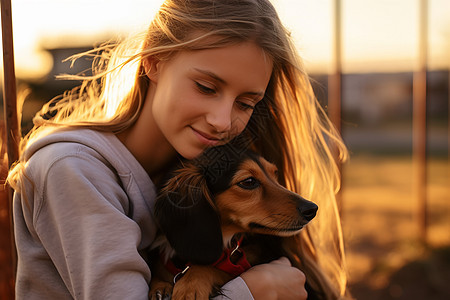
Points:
(82, 222)
(236, 289)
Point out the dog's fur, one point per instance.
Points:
(210, 201)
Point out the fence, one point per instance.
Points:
(334, 108)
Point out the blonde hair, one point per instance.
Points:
(289, 127)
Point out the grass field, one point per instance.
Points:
(384, 255)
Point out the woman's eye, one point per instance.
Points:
(245, 106)
(250, 183)
(204, 89)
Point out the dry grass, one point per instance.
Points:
(382, 232)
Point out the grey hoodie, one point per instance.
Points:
(84, 223)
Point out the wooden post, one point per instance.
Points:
(11, 120)
(9, 86)
(420, 124)
(335, 86)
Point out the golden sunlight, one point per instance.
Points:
(42, 25)
(387, 256)
(377, 35)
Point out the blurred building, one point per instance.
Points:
(377, 110)
(376, 107)
(49, 86)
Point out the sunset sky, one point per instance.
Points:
(378, 35)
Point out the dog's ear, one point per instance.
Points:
(186, 214)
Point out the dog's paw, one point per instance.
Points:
(197, 283)
(191, 291)
(160, 290)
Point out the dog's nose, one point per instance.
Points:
(308, 210)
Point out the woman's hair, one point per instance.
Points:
(288, 127)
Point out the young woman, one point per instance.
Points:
(204, 72)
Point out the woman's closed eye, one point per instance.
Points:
(205, 89)
(245, 106)
(247, 103)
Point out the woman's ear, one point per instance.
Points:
(185, 212)
(151, 65)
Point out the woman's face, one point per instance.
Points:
(204, 98)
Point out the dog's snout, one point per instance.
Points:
(308, 210)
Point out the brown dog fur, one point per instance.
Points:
(247, 199)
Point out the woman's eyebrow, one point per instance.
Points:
(211, 74)
(221, 80)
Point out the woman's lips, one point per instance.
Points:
(205, 138)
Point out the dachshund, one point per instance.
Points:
(218, 215)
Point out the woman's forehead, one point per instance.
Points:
(238, 63)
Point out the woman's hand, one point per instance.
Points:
(276, 280)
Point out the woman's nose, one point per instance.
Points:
(220, 115)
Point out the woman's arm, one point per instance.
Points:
(82, 223)
(275, 280)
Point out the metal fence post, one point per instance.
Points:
(335, 87)
(11, 120)
(420, 123)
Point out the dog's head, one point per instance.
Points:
(221, 193)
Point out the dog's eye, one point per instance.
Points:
(250, 183)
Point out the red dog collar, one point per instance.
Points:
(225, 263)
(234, 267)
